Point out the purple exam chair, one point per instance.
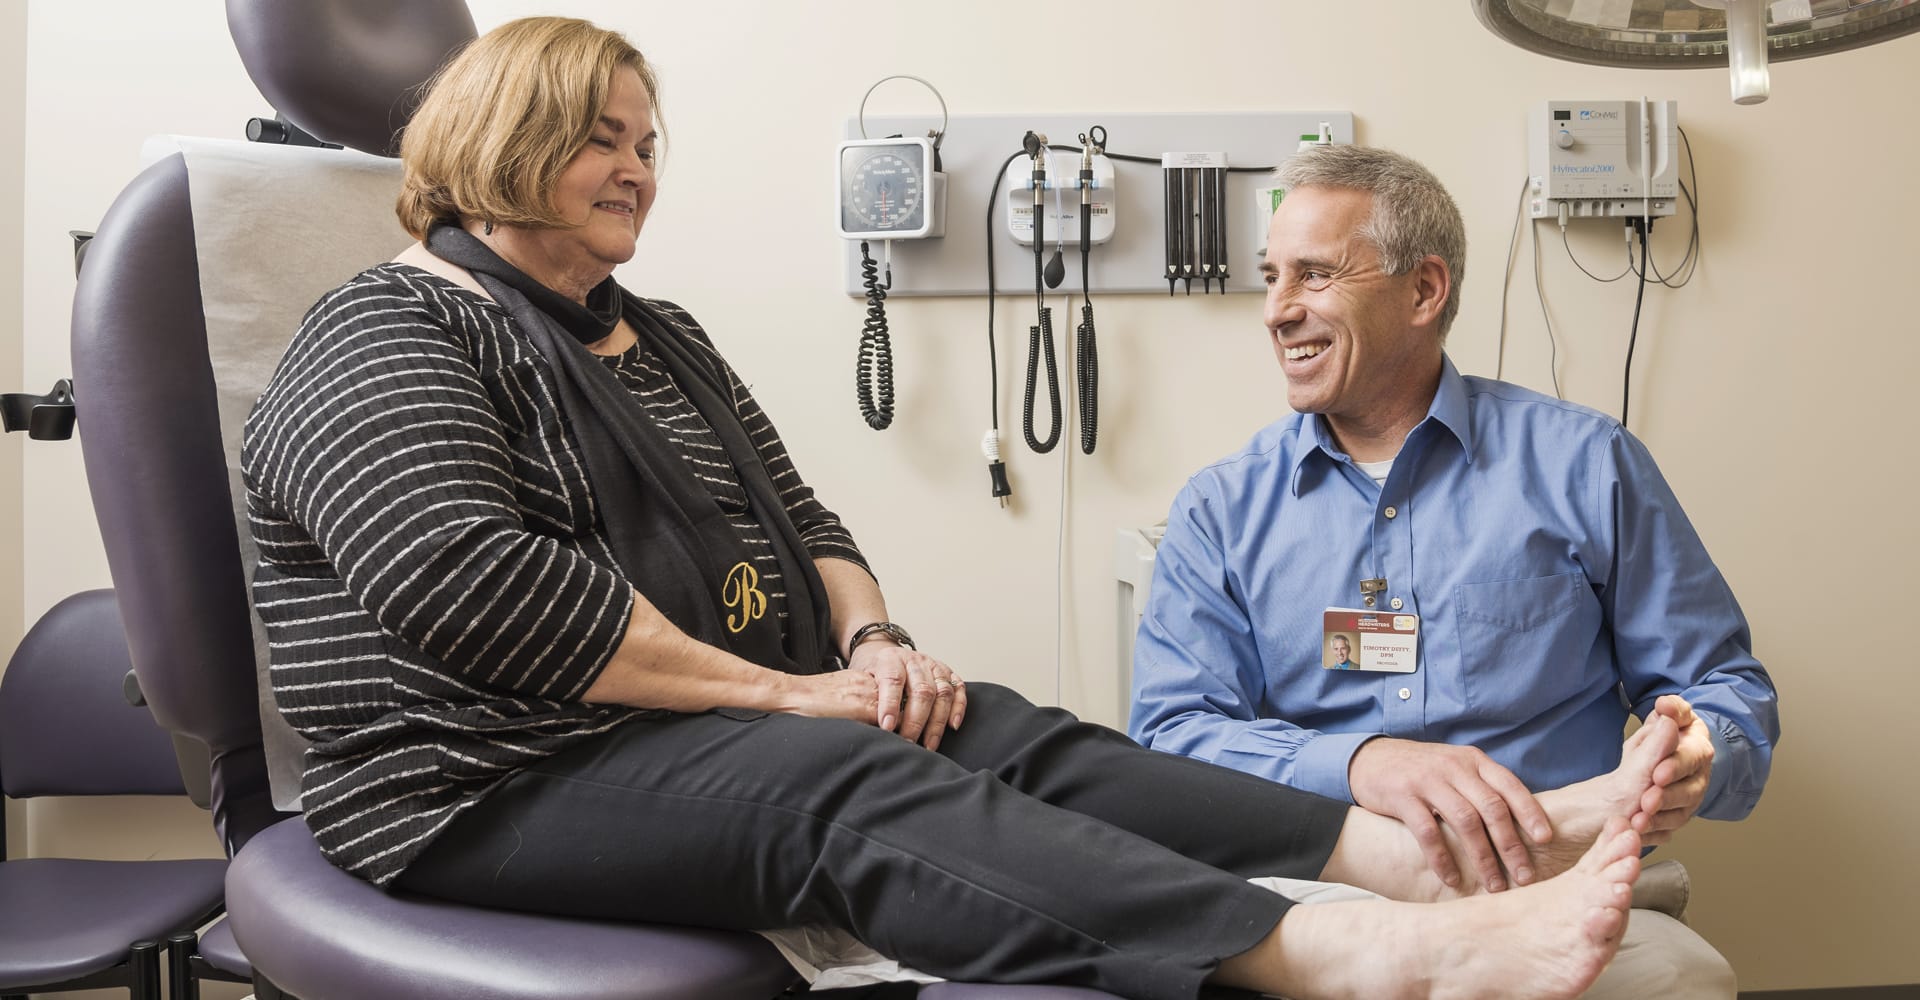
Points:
(66, 728)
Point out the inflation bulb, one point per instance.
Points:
(1056, 269)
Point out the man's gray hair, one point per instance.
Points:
(1413, 216)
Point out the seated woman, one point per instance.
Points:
(565, 626)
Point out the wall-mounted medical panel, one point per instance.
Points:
(1135, 259)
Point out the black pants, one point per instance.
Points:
(1031, 848)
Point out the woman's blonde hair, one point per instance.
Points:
(502, 120)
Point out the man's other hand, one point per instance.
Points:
(1481, 801)
(1680, 781)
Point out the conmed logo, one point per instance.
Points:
(1590, 115)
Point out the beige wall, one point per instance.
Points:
(1763, 387)
(13, 81)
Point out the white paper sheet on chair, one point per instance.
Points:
(833, 959)
(275, 227)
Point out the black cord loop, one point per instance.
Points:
(1039, 340)
(873, 374)
(1087, 370)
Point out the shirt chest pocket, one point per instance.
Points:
(1524, 644)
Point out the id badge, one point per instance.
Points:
(1378, 641)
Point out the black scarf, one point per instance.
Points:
(672, 540)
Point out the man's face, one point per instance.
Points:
(1340, 650)
(1343, 329)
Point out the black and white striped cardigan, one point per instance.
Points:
(434, 581)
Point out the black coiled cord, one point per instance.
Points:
(1040, 338)
(1086, 353)
(1087, 367)
(873, 376)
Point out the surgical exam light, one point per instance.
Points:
(1742, 35)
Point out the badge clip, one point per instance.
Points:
(1368, 588)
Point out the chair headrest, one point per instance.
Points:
(348, 71)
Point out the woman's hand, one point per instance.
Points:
(837, 694)
(916, 693)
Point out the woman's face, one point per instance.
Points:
(604, 192)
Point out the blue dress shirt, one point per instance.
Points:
(1557, 581)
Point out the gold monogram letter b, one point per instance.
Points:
(743, 597)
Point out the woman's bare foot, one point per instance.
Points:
(1580, 811)
(1377, 853)
(1551, 939)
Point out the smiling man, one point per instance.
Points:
(1514, 567)
(1342, 653)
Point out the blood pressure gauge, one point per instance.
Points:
(889, 190)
